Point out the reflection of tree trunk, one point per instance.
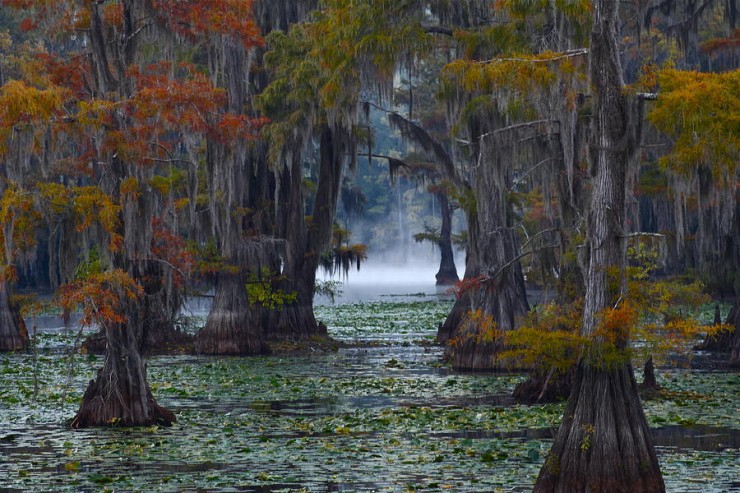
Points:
(447, 273)
(120, 394)
(230, 328)
(13, 333)
(604, 443)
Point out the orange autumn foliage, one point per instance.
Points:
(194, 18)
(101, 297)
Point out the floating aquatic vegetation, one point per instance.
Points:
(380, 415)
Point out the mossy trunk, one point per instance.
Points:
(307, 240)
(120, 395)
(604, 443)
(493, 288)
(230, 328)
(13, 333)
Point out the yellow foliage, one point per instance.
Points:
(478, 327)
(19, 220)
(20, 103)
(701, 112)
(130, 189)
(91, 205)
(548, 339)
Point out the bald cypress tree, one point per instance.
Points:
(603, 443)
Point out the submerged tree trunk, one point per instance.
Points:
(306, 242)
(13, 333)
(493, 296)
(120, 395)
(230, 329)
(604, 443)
(447, 273)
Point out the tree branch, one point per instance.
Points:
(555, 58)
(516, 259)
(438, 30)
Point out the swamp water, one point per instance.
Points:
(381, 414)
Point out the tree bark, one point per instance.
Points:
(604, 443)
(306, 242)
(120, 395)
(13, 333)
(496, 286)
(230, 328)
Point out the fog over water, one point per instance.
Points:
(384, 277)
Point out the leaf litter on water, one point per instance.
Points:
(379, 415)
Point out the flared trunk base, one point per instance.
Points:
(603, 444)
(100, 408)
(541, 388)
(13, 333)
(231, 328)
(229, 334)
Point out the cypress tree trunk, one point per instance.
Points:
(230, 329)
(120, 395)
(447, 273)
(734, 319)
(306, 243)
(604, 443)
(649, 388)
(245, 178)
(495, 283)
(13, 333)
